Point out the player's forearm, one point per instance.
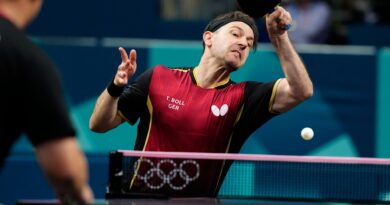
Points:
(293, 68)
(104, 116)
(66, 168)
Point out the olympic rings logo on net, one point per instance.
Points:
(166, 178)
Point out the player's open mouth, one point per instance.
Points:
(237, 52)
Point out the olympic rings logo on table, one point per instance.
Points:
(166, 178)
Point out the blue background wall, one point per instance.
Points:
(348, 112)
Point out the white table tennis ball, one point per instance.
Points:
(307, 133)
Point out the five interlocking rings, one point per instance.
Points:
(166, 178)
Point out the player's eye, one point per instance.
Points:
(235, 34)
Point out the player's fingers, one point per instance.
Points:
(285, 22)
(133, 56)
(121, 78)
(288, 16)
(128, 63)
(285, 17)
(123, 54)
(122, 75)
(131, 69)
(276, 14)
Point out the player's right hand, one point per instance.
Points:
(127, 67)
(277, 22)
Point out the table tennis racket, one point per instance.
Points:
(257, 8)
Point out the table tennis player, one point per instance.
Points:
(32, 103)
(200, 109)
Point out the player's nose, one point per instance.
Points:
(243, 44)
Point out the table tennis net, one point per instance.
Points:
(169, 174)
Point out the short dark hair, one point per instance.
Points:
(226, 18)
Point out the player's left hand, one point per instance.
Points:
(278, 22)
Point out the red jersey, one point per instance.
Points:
(178, 115)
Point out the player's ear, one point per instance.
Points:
(207, 36)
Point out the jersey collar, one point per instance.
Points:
(194, 81)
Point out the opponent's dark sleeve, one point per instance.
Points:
(45, 114)
(132, 102)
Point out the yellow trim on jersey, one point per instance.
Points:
(228, 145)
(214, 86)
(150, 108)
(194, 72)
(239, 115)
(221, 83)
(273, 96)
(182, 70)
(123, 117)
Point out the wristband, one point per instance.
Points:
(114, 90)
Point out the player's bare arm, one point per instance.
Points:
(104, 116)
(66, 168)
(296, 86)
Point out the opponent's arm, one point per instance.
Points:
(65, 166)
(104, 116)
(296, 86)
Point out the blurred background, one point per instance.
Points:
(344, 44)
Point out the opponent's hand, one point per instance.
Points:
(127, 68)
(278, 22)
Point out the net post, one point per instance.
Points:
(115, 172)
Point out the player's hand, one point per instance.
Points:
(127, 68)
(278, 22)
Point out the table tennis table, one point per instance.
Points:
(257, 179)
(188, 201)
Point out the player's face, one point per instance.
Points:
(232, 43)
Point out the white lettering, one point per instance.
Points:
(173, 107)
(174, 103)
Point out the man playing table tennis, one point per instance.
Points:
(201, 109)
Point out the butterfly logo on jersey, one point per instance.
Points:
(219, 111)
